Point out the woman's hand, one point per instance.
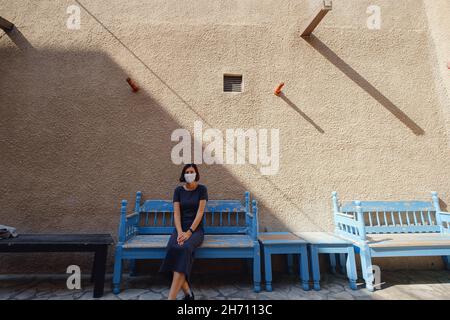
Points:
(184, 236)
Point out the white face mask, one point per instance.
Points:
(189, 177)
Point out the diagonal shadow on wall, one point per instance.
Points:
(19, 39)
(345, 68)
(300, 112)
(75, 141)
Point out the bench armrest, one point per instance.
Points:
(251, 216)
(444, 221)
(252, 221)
(132, 221)
(128, 223)
(349, 226)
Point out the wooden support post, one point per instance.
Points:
(320, 13)
(6, 25)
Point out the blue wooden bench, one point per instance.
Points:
(393, 229)
(231, 230)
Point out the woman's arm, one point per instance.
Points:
(199, 216)
(177, 216)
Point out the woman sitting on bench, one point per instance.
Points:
(189, 203)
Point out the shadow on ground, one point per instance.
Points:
(404, 285)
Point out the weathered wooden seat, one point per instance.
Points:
(231, 230)
(393, 229)
(210, 241)
(408, 240)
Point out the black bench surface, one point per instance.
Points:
(97, 243)
(57, 239)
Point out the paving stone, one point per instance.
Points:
(109, 296)
(207, 292)
(298, 293)
(333, 287)
(315, 295)
(340, 296)
(130, 294)
(248, 294)
(150, 296)
(165, 293)
(243, 286)
(227, 290)
(87, 295)
(274, 295)
(400, 285)
(25, 295)
(158, 288)
(62, 298)
(43, 295)
(66, 292)
(359, 293)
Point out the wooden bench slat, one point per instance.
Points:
(408, 240)
(210, 241)
(395, 206)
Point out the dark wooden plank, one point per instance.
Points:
(5, 24)
(59, 239)
(314, 21)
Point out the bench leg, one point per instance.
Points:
(304, 269)
(290, 263)
(351, 268)
(315, 267)
(342, 263)
(256, 267)
(332, 263)
(132, 267)
(94, 267)
(366, 266)
(117, 276)
(99, 271)
(446, 261)
(268, 268)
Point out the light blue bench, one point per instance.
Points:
(231, 231)
(393, 229)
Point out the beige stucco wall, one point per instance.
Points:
(75, 140)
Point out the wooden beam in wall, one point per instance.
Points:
(314, 21)
(6, 25)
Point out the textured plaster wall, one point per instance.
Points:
(439, 26)
(364, 110)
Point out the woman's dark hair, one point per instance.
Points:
(191, 165)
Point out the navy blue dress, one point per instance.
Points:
(180, 258)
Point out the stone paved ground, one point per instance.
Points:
(398, 285)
